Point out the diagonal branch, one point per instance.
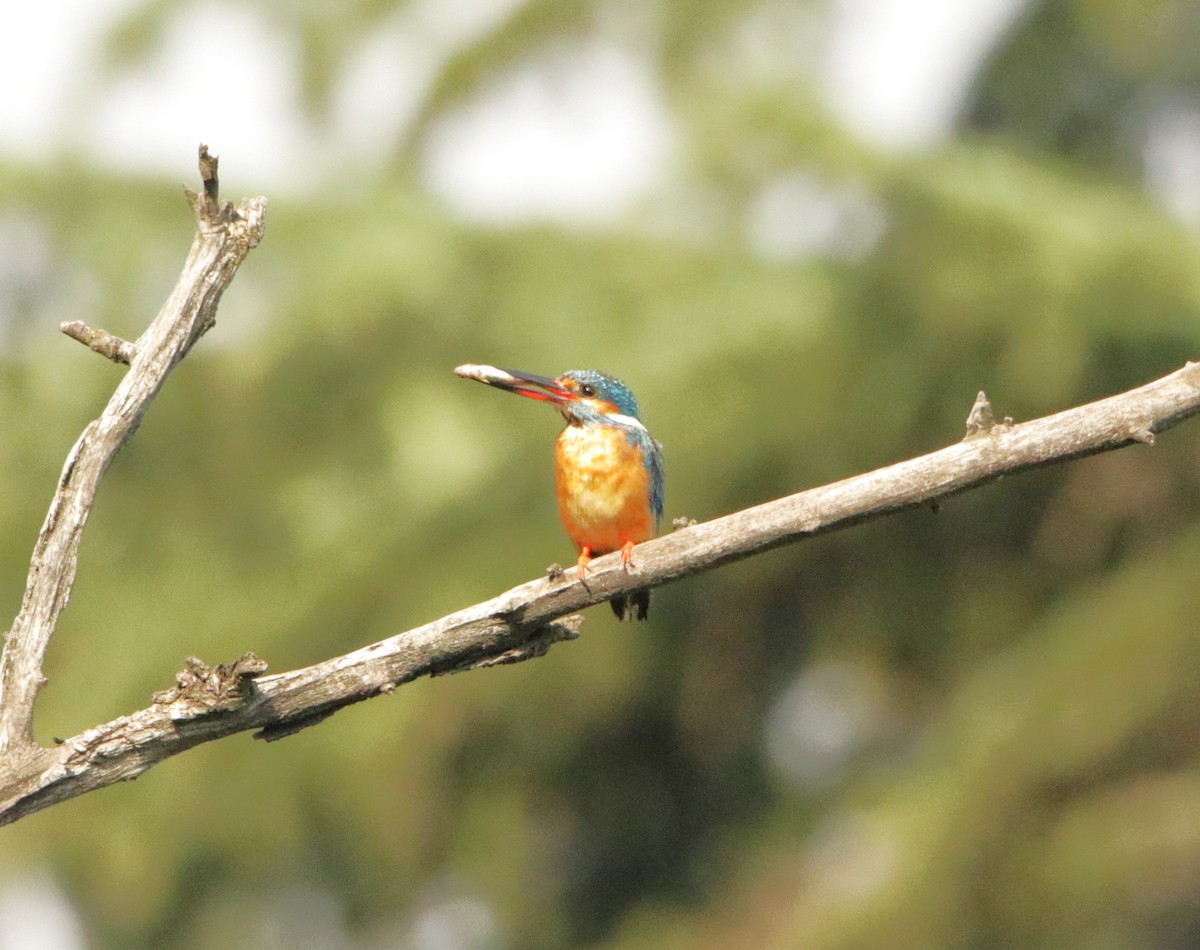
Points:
(225, 234)
(210, 703)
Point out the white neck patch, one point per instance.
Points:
(629, 421)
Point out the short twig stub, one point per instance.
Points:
(108, 345)
(981, 418)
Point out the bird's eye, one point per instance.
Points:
(587, 390)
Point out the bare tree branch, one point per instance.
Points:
(208, 703)
(224, 236)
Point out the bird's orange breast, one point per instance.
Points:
(603, 488)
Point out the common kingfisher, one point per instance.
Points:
(608, 471)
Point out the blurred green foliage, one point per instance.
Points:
(975, 728)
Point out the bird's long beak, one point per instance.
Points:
(515, 381)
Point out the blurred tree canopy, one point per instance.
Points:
(975, 728)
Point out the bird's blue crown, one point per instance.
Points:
(608, 388)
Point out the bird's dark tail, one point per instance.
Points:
(636, 605)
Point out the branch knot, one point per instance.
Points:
(201, 689)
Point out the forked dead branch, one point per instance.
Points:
(210, 702)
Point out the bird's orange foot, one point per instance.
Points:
(626, 555)
(585, 557)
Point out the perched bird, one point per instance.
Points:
(608, 471)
